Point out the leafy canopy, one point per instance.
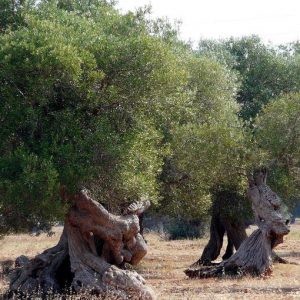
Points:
(117, 103)
(277, 131)
(84, 91)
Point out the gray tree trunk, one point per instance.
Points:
(90, 255)
(255, 254)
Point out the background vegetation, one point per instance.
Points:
(118, 104)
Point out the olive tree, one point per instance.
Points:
(85, 93)
(277, 131)
(264, 71)
(276, 137)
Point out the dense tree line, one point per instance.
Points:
(118, 104)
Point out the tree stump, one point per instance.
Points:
(254, 256)
(90, 255)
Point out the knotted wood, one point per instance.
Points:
(254, 256)
(90, 255)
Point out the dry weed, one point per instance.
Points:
(163, 269)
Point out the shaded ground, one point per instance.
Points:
(163, 268)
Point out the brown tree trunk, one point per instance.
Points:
(229, 249)
(141, 220)
(215, 243)
(219, 225)
(255, 254)
(93, 247)
(236, 234)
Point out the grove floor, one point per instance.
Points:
(166, 260)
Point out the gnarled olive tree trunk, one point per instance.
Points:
(254, 256)
(90, 254)
(222, 222)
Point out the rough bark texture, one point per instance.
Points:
(255, 254)
(221, 224)
(93, 248)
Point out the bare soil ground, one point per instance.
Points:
(164, 264)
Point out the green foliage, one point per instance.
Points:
(265, 74)
(117, 103)
(140, 164)
(12, 12)
(85, 92)
(264, 71)
(232, 203)
(281, 118)
(208, 146)
(278, 134)
(29, 185)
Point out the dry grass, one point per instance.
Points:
(163, 269)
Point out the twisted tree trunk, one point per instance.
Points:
(221, 223)
(93, 248)
(255, 254)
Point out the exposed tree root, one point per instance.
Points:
(253, 257)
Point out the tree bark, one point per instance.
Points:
(236, 234)
(88, 258)
(219, 225)
(255, 255)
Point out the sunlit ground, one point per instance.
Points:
(164, 264)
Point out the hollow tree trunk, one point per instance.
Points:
(255, 254)
(93, 248)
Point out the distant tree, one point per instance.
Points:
(206, 146)
(274, 142)
(265, 72)
(277, 131)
